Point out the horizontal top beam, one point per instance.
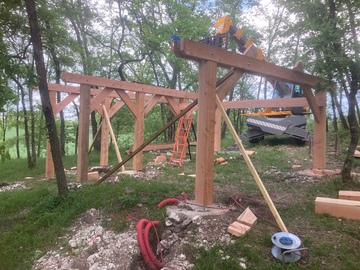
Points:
(197, 51)
(123, 85)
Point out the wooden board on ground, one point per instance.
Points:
(238, 229)
(349, 195)
(338, 208)
(153, 147)
(247, 217)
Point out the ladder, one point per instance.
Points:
(181, 139)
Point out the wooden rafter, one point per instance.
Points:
(197, 51)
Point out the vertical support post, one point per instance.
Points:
(217, 143)
(49, 167)
(84, 124)
(139, 130)
(104, 151)
(319, 146)
(204, 185)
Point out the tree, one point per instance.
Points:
(333, 49)
(45, 98)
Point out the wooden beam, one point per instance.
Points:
(309, 94)
(137, 87)
(151, 103)
(129, 103)
(84, 124)
(173, 105)
(265, 103)
(349, 195)
(139, 130)
(105, 129)
(252, 168)
(205, 134)
(115, 107)
(153, 147)
(197, 51)
(99, 98)
(338, 208)
(319, 145)
(64, 102)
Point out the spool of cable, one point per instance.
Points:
(286, 247)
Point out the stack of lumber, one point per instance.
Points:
(243, 223)
(347, 206)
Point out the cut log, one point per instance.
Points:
(238, 229)
(247, 217)
(349, 195)
(338, 208)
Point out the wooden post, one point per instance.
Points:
(104, 151)
(205, 138)
(139, 129)
(217, 139)
(84, 124)
(319, 150)
(49, 167)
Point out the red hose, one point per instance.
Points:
(151, 255)
(144, 244)
(167, 201)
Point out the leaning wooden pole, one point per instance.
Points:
(107, 119)
(251, 167)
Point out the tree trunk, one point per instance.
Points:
(26, 123)
(32, 128)
(45, 97)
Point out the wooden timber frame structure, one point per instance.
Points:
(209, 59)
(140, 99)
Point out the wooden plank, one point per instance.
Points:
(153, 147)
(84, 124)
(238, 229)
(349, 195)
(204, 183)
(137, 87)
(338, 208)
(247, 217)
(197, 51)
(252, 168)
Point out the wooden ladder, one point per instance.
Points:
(181, 139)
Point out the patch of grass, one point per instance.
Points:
(32, 220)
